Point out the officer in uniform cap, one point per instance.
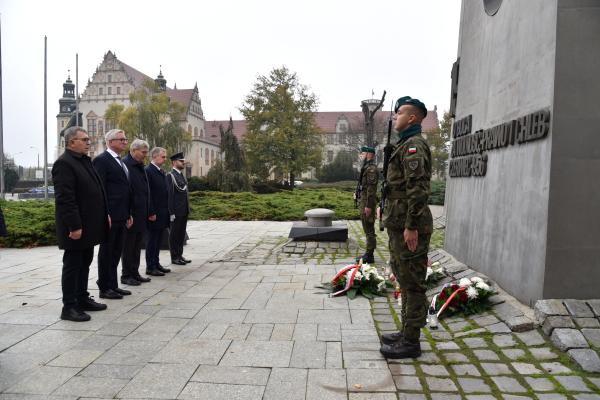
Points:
(409, 224)
(179, 208)
(367, 199)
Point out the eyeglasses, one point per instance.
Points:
(120, 140)
(87, 139)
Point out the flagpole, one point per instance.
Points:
(1, 122)
(45, 117)
(77, 89)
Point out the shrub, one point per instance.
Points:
(438, 193)
(29, 223)
(196, 183)
(340, 169)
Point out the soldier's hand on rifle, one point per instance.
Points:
(367, 212)
(411, 237)
(354, 196)
(378, 211)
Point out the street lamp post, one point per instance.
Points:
(369, 108)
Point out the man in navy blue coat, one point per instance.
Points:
(158, 209)
(115, 179)
(134, 235)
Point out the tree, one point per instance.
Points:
(153, 117)
(438, 141)
(282, 132)
(340, 169)
(229, 175)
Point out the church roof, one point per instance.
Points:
(183, 96)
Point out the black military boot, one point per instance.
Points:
(368, 258)
(401, 349)
(391, 338)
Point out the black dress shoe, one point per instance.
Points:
(163, 269)
(401, 349)
(185, 260)
(368, 258)
(122, 292)
(154, 272)
(130, 281)
(73, 314)
(391, 338)
(178, 262)
(89, 304)
(142, 279)
(110, 294)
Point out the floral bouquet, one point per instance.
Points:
(435, 273)
(356, 279)
(468, 296)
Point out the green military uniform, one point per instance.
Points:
(369, 175)
(409, 175)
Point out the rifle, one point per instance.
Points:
(358, 190)
(387, 153)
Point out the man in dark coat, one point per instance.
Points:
(134, 236)
(115, 179)
(159, 208)
(179, 209)
(82, 222)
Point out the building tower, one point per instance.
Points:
(161, 81)
(66, 107)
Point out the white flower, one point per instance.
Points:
(464, 282)
(381, 285)
(435, 264)
(472, 293)
(358, 276)
(483, 286)
(429, 272)
(476, 279)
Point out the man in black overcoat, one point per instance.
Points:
(134, 236)
(159, 208)
(115, 179)
(179, 208)
(82, 222)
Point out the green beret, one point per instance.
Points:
(413, 102)
(367, 149)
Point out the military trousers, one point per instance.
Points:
(368, 225)
(410, 269)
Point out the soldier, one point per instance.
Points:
(179, 209)
(367, 199)
(409, 223)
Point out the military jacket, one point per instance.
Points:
(408, 176)
(179, 204)
(369, 177)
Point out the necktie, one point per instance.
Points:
(124, 167)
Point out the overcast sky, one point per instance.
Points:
(342, 49)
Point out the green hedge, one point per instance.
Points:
(438, 193)
(29, 223)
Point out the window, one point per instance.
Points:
(329, 156)
(110, 124)
(109, 90)
(195, 131)
(91, 126)
(62, 124)
(100, 128)
(330, 138)
(206, 155)
(342, 127)
(101, 91)
(109, 78)
(342, 138)
(189, 129)
(201, 132)
(212, 157)
(118, 89)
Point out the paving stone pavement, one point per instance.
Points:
(244, 321)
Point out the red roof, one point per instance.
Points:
(183, 96)
(326, 121)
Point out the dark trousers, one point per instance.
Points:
(177, 237)
(153, 238)
(132, 247)
(109, 256)
(75, 272)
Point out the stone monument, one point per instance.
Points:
(522, 197)
(319, 226)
